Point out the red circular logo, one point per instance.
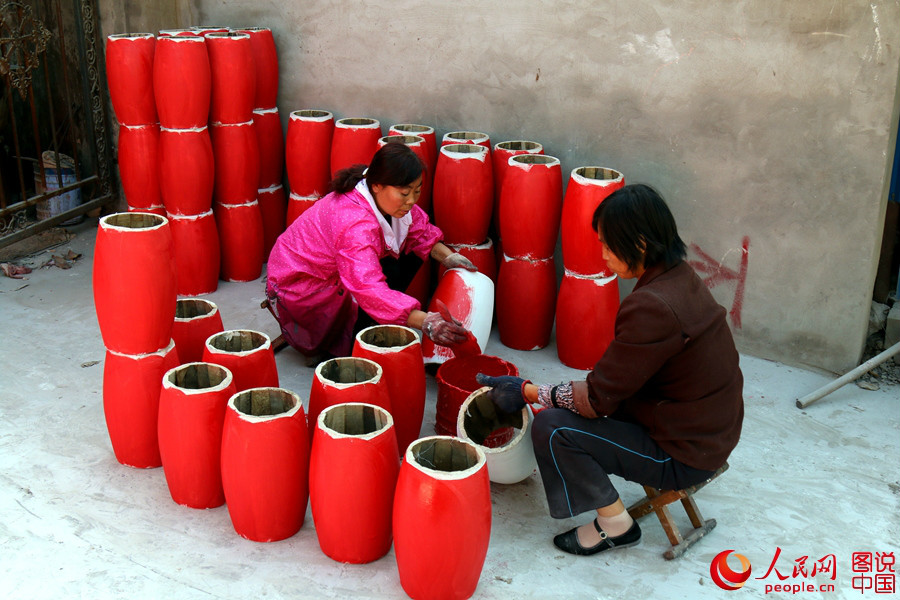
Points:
(724, 576)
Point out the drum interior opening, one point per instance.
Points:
(465, 135)
(466, 148)
(414, 128)
(519, 145)
(357, 121)
(535, 159)
(135, 220)
(444, 454)
(403, 139)
(238, 341)
(349, 370)
(482, 419)
(265, 402)
(388, 337)
(198, 376)
(355, 419)
(317, 114)
(598, 173)
(188, 308)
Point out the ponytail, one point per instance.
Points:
(346, 179)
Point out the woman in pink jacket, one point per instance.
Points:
(344, 264)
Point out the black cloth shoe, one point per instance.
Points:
(568, 541)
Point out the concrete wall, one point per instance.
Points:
(767, 125)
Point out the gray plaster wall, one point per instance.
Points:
(767, 125)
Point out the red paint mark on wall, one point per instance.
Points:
(713, 273)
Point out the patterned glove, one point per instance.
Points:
(441, 331)
(508, 393)
(458, 260)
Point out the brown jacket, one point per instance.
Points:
(672, 368)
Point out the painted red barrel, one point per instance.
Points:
(138, 155)
(232, 77)
(500, 156)
(265, 64)
(196, 319)
(531, 206)
(307, 151)
(186, 170)
(241, 234)
(273, 209)
(134, 282)
(129, 75)
(399, 352)
(481, 255)
(470, 298)
(467, 137)
(191, 417)
(347, 379)
(297, 205)
(526, 302)
(355, 142)
(270, 142)
(588, 187)
(424, 131)
(456, 381)
(237, 162)
(419, 147)
(181, 82)
(247, 354)
(265, 463)
(585, 318)
(353, 469)
(131, 403)
(442, 518)
(156, 209)
(197, 253)
(463, 193)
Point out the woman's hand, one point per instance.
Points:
(458, 260)
(443, 332)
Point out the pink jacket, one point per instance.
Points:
(326, 265)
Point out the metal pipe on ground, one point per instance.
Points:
(848, 377)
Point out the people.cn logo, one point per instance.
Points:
(724, 576)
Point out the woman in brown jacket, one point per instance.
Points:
(663, 406)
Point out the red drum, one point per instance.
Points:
(419, 147)
(297, 205)
(265, 463)
(138, 156)
(467, 137)
(423, 131)
(456, 381)
(526, 302)
(186, 170)
(265, 62)
(129, 74)
(156, 209)
(307, 151)
(420, 286)
(273, 209)
(197, 254)
(585, 318)
(237, 162)
(195, 320)
(442, 518)
(355, 142)
(531, 206)
(191, 416)
(192, 32)
(134, 282)
(349, 379)
(503, 151)
(463, 193)
(353, 471)
(582, 249)
(270, 141)
(240, 240)
(398, 350)
(246, 354)
(131, 403)
(470, 298)
(482, 256)
(233, 79)
(181, 82)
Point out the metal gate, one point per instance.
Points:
(54, 139)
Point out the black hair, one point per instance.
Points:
(638, 227)
(394, 164)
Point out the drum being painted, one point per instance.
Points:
(307, 152)
(265, 463)
(585, 318)
(196, 319)
(191, 416)
(442, 518)
(482, 256)
(399, 352)
(463, 193)
(581, 248)
(352, 476)
(247, 354)
(349, 379)
(182, 82)
(526, 302)
(470, 298)
(197, 253)
(355, 142)
(129, 75)
(478, 418)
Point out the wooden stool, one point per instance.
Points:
(657, 501)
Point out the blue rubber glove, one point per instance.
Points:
(508, 393)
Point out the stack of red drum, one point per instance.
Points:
(355, 142)
(308, 155)
(589, 292)
(530, 211)
(463, 192)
